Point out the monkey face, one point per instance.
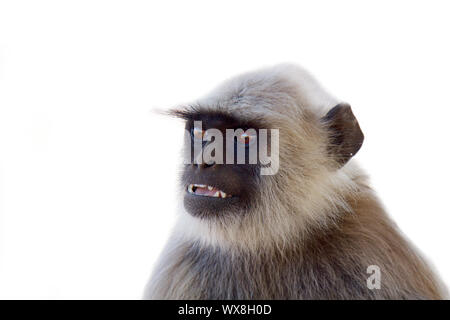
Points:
(312, 146)
(216, 187)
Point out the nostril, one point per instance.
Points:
(205, 165)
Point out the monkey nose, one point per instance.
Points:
(199, 162)
(204, 165)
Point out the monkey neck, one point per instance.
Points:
(336, 253)
(279, 221)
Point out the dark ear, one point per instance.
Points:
(345, 135)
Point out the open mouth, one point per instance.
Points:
(206, 191)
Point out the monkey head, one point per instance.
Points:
(264, 144)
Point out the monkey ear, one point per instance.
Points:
(345, 135)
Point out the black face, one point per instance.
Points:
(220, 189)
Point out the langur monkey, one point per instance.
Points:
(314, 229)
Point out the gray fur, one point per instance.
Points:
(313, 229)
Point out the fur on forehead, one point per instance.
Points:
(284, 91)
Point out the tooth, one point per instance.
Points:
(223, 194)
(210, 188)
(190, 188)
(217, 194)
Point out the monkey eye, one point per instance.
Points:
(246, 138)
(197, 133)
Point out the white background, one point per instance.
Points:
(88, 171)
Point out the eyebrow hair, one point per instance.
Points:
(189, 112)
(197, 112)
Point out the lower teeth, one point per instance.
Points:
(217, 194)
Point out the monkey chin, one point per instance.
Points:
(209, 207)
